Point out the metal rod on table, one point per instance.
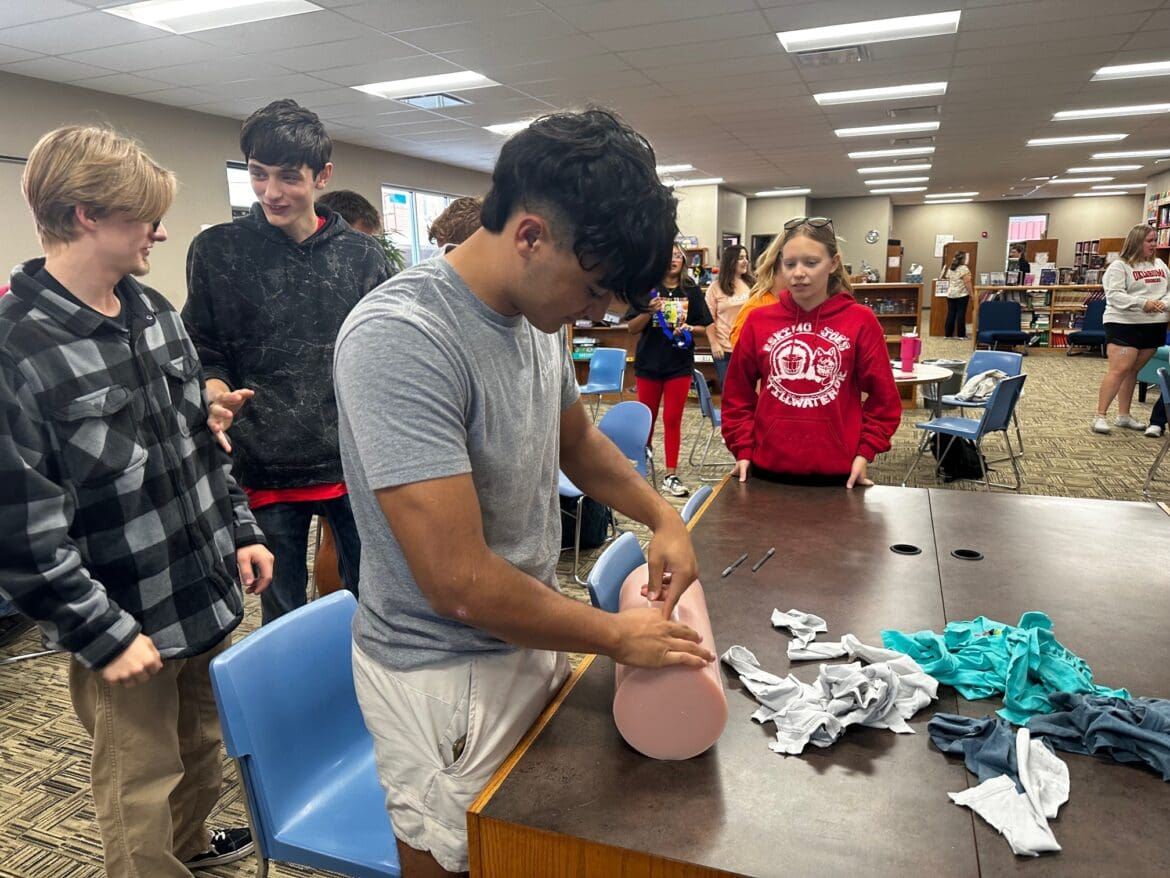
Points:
(727, 570)
(768, 554)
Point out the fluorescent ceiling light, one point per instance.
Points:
(1103, 168)
(190, 16)
(674, 169)
(895, 153)
(950, 195)
(780, 193)
(896, 169)
(880, 30)
(1131, 154)
(889, 93)
(508, 128)
(1077, 138)
(902, 128)
(898, 189)
(1110, 112)
(949, 201)
(698, 181)
(461, 80)
(1056, 180)
(1120, 186)
(1094, 194)
(1132, 71)
(897, 180)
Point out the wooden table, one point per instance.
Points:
(574, 800)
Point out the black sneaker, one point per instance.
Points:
(11, 627)
(227, 846)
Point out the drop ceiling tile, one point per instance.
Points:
(683, 33)
(120, 84)
(89, 30)
(409, 14)
(10, 55)
(165, 51)
(711, 50)
(622, 13)
(181, 97)
(283, 33)
(386, 70)
(511, 31)
(55, 69)
(227, 70)
(363, 50)
(16, 12)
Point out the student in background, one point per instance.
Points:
(267, 294)
(125, 537)
(355, 209)
(665, 357)
(1137, 300)
(458, 402)
(457, 223)
(827, 403)
(1016, 252)
(766, 289)
(960, 287)
(725, 297)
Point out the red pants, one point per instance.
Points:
(650, 393)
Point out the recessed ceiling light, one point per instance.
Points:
(1132, 71)
(1094, 194)
(950, 195)
(889, 93)
(1103, 168)
(698, 181)
(1062, 180)
(1077, 138)
(780, 193)
(439, 101)
(894, 153)
(674, 169)
(461, 80)
(1131, 154)
(901, 128)
(896, 169)
(1120, 186)
(1110, 112)
(1030, 179)
(896, 180)
(508, 128)
(859, 33)
(949, 201)
(897, 189)
(191, 16)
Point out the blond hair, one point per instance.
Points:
(766, 265)
(1131, 253)
(96, 168)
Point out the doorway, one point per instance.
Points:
(938, 306)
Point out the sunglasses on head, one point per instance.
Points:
(816, 222)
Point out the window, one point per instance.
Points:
(407, 214)
(240, 194)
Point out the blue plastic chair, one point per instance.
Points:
(697, 500)
(999, 323)
(711, 412)
(620, 558)
(627, 425)
(566, 489)
(1008, 362)
(607, 373)
(996, 419)
(1092, 331)
(291, 721)
(1164, 384)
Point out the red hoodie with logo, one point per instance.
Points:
(811, 368)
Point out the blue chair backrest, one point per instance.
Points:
(692, 505)
(287, 706)
(627, 425)
(1008, 362)
(705, 406)
(607, 366)
(1002, 403)
(999, 316)
(604, 582)
(1094, 316)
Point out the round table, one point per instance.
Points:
(924, 374)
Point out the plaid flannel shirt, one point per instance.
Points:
(118, 511)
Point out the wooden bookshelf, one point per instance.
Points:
(619, 336)
(1161, 223)
(1093, 256)
(898, 307)
(1049, 313)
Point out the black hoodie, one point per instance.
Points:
(264, 312)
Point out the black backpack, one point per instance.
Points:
(957, 458)
(595, 519)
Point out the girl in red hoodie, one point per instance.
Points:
(812, 355)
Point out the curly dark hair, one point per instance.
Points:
(354, 209)
(593, 179)
(286, 134)
(457, 223)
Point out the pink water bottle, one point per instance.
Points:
(911, 348)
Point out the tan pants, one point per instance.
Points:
(156, 764)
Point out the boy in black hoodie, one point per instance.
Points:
(267, 294)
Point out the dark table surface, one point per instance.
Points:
(874, 803)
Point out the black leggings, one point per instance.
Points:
(956, 317)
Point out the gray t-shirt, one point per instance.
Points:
(431, 382)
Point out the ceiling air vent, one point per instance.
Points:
(928, 140)
(914, 112)
(433, 102)
(847, 55)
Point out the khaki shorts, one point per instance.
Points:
(440, 732)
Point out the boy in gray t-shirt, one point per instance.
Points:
(457, 404)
